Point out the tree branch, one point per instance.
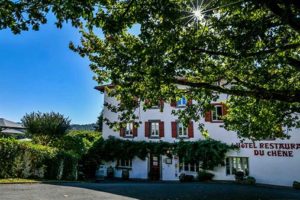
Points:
(259, 93)
(285, 16)
(250, 54)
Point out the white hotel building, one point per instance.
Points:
(275, 162)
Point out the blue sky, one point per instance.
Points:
(38, 72)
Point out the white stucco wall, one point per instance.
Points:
(266, 169)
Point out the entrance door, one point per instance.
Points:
(154, 167)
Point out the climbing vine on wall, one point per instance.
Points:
(210, 153)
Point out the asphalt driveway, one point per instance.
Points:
(143, 191)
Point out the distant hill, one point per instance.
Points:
(88, 127)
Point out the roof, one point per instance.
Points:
(101, 88)
(9, 124)
(12, 131)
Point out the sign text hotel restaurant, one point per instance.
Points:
(271, 149)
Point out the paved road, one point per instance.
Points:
(144, 191)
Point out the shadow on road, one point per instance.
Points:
(189, 191)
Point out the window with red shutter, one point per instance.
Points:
(135, 130)
(173, 103)
(207, 116)
(122, 132)
(182, 130)
(161, 129)
(191, 130)
(174, 129)
(225, 108)
(147, 129)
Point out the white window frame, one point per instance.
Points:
(187, 167)
(214, 113)
(124, 163)
(181, 127)
(129, 130)
(154, 129)
(234, 164)
(182, 102)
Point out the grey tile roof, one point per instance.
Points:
(9, 124)
(12, 131)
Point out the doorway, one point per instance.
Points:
(154, 173)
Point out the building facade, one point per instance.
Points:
(275, 162)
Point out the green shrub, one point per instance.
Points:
(296, 185)
(23, 159)
(27, 160)
(78, 141)
(185, 178)
(205, 176)
(250, 180)
(45, 128)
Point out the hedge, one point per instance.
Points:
(27, 160)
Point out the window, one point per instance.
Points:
(217, 113)
(189, 167)
(129, 129)
(154, 129)
(234, 164)
(181, 102)
(124, 163)
(182, 131)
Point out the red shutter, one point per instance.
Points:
(146, 102)
(161, 129)
(122, 132)
(135, 129)
(190, 102)
(174, 129)
(208, 116)
(224, 108)
(173, 103)
(191, 130)
(161, 105)
(147, 129)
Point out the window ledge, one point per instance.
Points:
(123, 167)
(128, 136)
(154, 137)
(181, 106)
(217, 121)
(183, 138)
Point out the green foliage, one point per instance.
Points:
(251, 46)
(296, 185)
(99, 123)
(45, 127)
(210, 152)
(27, 160)
(205, 176)
(23, 159)
(267, 120)
(77, 141)
(250, 180)
(248, 47)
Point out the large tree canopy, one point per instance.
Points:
(248, 49)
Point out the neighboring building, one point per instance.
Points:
(274, 162)
(11, 129)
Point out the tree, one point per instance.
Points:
(99, 123)
(247, 49)
(46, 128)
(250, 47)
